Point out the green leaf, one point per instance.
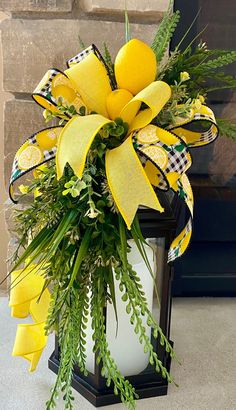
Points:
(39, 241)
(123, 241)
(127, 26)
(227, 128)
(140, 241)
(81, 43)
(221, 61)
(80, 255)
(82, 111)
(110, 282)
(180, 147)
(61, 230)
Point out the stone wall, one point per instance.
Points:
(40, 34)
(4, 237)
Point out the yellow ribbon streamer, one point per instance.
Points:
(30, 338)
(75, 141)
(128, 182)
(181, 242)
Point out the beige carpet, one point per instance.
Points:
(204, 331)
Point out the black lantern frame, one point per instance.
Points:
(148, 383)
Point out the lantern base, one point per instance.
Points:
(107, 397)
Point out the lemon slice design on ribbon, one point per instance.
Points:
(187, 186)
(47, 139)
(148, 134)
(157, 155)
(29, 157)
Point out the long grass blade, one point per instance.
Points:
(37, 242)
(80, 255)
(137, 236)
(127, 26)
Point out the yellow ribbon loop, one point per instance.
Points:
(75, 141)
(128, 182)
(29, 343)
(91, 80)
(155, 96)
(30, 338)
(198, 139)
(39, 148)
(53, 85)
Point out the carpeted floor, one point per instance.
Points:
(204, 332)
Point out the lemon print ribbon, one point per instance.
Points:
(28, 298)
(149, 157)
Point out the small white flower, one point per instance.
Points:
(91, 213)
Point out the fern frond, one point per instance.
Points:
(81, 43)
(222, 82)
(222, 60)
(110, 66)
(165, 32)
(227, 128)
(107, 56)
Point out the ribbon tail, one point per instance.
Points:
(128, 182)
(24, 300)
(181, 242)
(30, 342)
(75, 141)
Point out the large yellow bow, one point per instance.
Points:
(160, 159)
(149, 156)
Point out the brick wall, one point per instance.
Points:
(40, 34)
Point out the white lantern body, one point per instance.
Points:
(123, 342)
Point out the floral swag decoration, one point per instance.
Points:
(124, 134)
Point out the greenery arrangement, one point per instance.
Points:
(74, 232)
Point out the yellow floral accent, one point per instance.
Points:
(37, 193)
(37, 172)
(23, 189)
(201, 98)
(61, 87)
(197, 104)
(184, 76)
